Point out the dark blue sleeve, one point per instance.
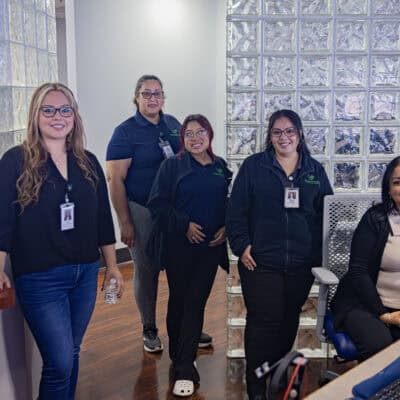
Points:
(163, 212)
(237, 215)
(120, 146)
(9, 173)
(105, 225)
(363, 249)
(325, 189)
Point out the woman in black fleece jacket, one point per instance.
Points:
(274, 226)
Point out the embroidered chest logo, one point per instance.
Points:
(311, 179)
(219, 172)
(174, 132)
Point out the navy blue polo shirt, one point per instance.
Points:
(202, 196)
(138, 139)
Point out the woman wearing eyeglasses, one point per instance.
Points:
(54, 217)
(274, 226)
(187, 203)
(134, 154)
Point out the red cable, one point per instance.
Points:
(292, 378)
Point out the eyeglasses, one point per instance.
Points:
(289, 132)
(192, 134)
(148, 95)
(50, 111)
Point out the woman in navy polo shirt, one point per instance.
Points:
(187, 203)
(134, 155)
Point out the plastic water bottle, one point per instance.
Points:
(111, 292)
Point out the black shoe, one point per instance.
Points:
(151, 341)
(205, 340)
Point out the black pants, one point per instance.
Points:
(368, 332)
(190, 273)
(273, 300)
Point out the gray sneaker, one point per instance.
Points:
(205, 340)
(151, 342)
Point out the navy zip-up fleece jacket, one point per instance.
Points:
(167, 219)
(281, 238)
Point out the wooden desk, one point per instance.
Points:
(340, 388)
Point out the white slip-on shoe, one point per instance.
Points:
(183, 388)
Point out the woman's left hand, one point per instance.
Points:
(114, 272)
(219, 237)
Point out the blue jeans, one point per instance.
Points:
(57, 305)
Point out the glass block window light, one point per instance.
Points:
(335, 62)
(27, 59)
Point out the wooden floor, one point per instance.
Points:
(114, 365)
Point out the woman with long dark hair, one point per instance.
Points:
(274, 226)
(187, 203)
(54, 218)
(367, 302)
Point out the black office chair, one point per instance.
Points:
(342, 213)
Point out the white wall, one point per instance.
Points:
(61, 51)
(181, 41)
(118, 41)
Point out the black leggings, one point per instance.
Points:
(273, 300)
(368, 332)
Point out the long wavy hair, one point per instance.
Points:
(35, 154)
(388, 203)
(295, 119)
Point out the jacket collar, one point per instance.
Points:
(269, 160)
(186, 159)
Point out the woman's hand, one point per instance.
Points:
(247, 259)
(195, 234)
(4, 281)
(219, 237)
(127, 234)
(114, 272)
(392, 318)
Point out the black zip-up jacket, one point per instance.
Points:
(358, 286)
(168, 220)
(281, 238)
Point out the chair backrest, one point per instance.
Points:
(342, 213)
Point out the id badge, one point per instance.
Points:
(292, 195)
(166, 149)
(67, 216)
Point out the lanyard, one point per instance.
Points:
(68, 191)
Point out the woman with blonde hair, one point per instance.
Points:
(54, 217)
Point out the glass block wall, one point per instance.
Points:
(27, 59)
(335, 62)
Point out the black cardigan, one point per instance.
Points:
(358, 285)
(167, 220)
